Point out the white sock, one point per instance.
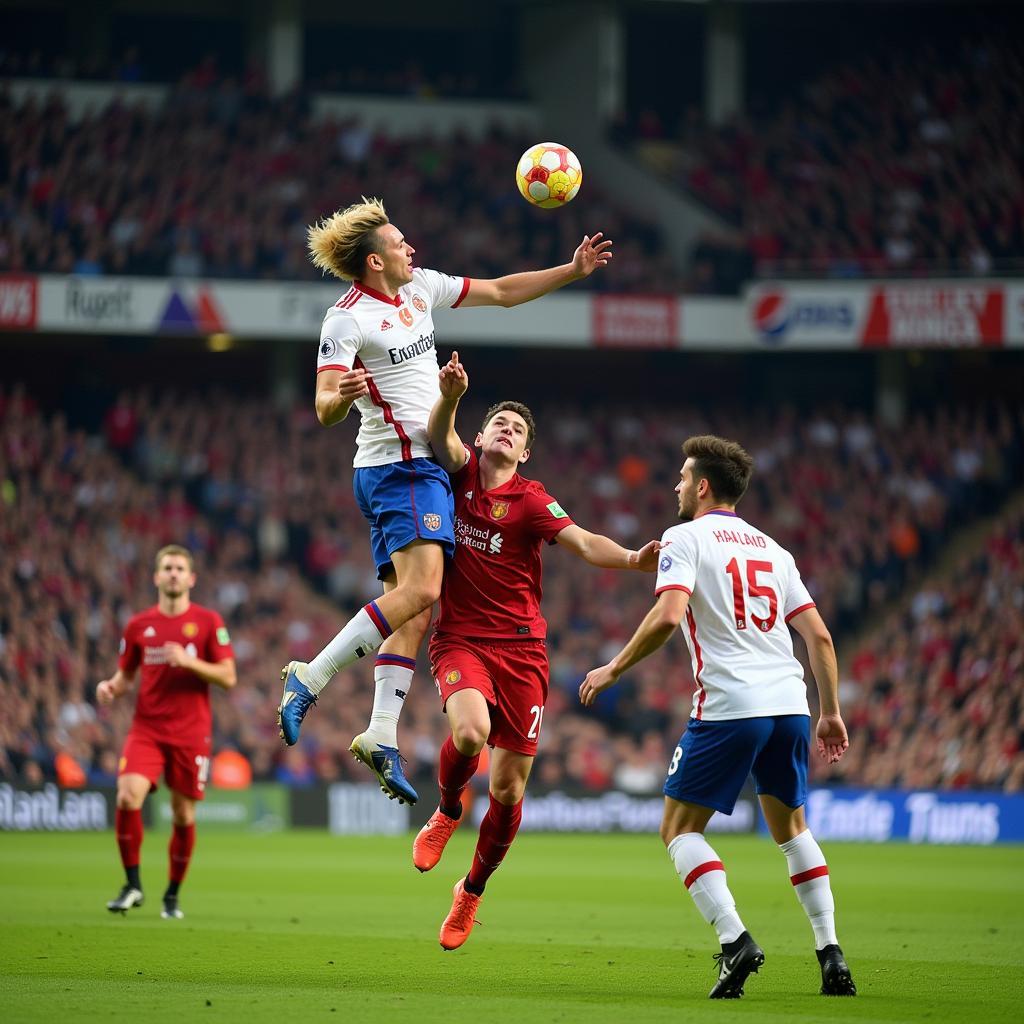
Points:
(392, 679)
(704, 877)
(361, 635)
(809, 874)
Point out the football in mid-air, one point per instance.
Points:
(549, 175)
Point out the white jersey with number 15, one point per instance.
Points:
(743, 589)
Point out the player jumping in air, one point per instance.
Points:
(377, 354)
(488, 653)
(182, 649)
(737, 591)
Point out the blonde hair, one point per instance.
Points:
(340, 243)
(174, 549)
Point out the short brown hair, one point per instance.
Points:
(175, 549)
(517, 407)
(340, 243)
(725, 465)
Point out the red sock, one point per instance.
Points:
(128, 825)
(497, 830)
(180, 849)
(454, 770)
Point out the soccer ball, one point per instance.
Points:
(549, 175)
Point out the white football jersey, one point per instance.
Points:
(394, 340)
(743, 590)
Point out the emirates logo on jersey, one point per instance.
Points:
(406, 317)
(499, 509)
(385, 325)
(419, 304)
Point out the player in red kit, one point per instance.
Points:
(181, 648)
(488, 653)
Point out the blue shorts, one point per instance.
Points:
(403, 502)
(713, 760)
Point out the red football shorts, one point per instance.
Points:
(185, 767)
(511, 674)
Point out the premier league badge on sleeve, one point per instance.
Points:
(432, 521)
(665, 564)
(328, 347)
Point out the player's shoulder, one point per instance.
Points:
(146, 615)
(682, 532)
(203, 613)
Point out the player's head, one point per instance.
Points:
(174, 571)
(507, 432)
(715, 472)
(360, 242)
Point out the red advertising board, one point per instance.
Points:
(17, 302)
(923, 315)
(635, 321)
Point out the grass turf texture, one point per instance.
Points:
(304, 926)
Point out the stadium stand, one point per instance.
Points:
(901, 162)
(280, 545)
(222, 181)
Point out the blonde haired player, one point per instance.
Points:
(738, 591)
(377, 354)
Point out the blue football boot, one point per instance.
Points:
(386, 764)
(296, 700)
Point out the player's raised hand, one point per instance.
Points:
(832, 740)
(598, 680)
(354, 384)
(647, 557)
(453, 379)
(591, 253)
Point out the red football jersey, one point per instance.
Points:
(173, 703)
(492, 585)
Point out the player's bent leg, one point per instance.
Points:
(377, 746)
(469, 718)
(132, 789)
(179, 851)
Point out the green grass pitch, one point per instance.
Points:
(303, 926)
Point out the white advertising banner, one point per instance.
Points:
(776, 315)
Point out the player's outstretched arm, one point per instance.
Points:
(513, 289)
(603, 552)
(110, 689)
(658, 625)
(830, 733)
(336, 390)
(453, 382)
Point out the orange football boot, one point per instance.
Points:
(429, 844)
(461, 918)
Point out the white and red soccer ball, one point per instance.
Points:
(549, 175)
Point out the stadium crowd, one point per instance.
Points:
(940, 690)
(904, 162)
(282, 553)
(221, 181)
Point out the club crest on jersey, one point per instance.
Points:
(190, 629)
(432, 521)
(419, 304)
(499, 509)
(405, 316)
(328, 347)
(453, 677)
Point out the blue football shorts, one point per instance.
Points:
(403, 502)
(713, 759)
